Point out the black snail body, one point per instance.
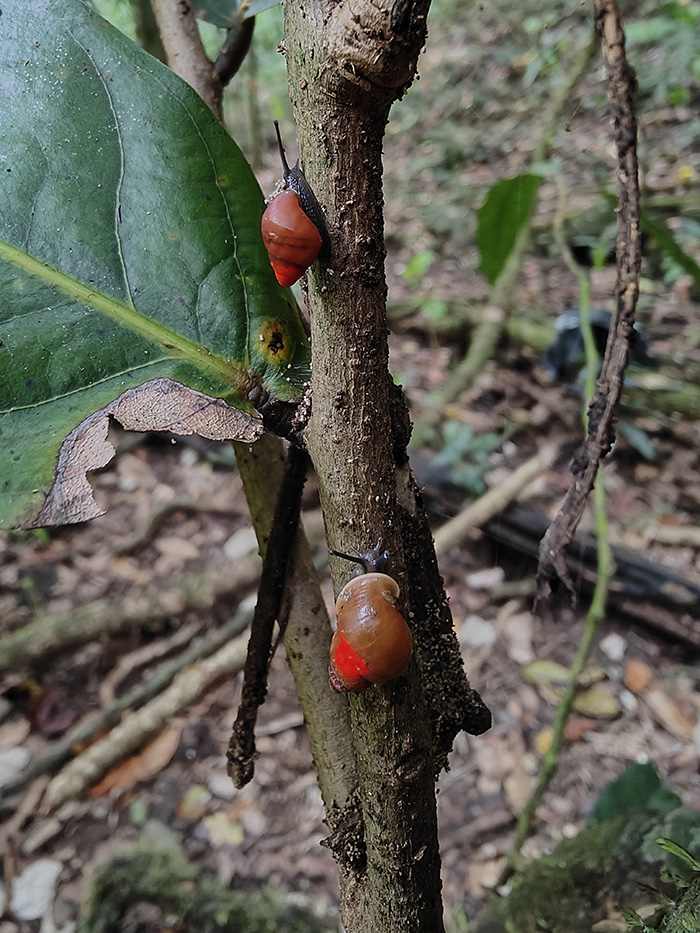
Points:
(293, 229)
(373, 643)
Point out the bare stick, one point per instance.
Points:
(621, 88)
(453, 532)
(149, 528)
(197, 592)
(183, 47)
(241, 751)
(85, 731)
(151, 718)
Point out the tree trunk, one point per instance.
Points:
(347, 63)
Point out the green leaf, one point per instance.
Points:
(130, 245)
(221, 12)
(507, 208)
(638, 788)
(668, 845)
(657, 228)
(637, 438)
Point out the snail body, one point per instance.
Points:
(292, 226)
(372, 643)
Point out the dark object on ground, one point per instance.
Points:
(564, 359)
(640, 588)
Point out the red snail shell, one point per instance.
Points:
(373, 643)
(293, 228)
(291, 238)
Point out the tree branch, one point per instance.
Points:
(183, 47)
(347, 62)
(601, 435)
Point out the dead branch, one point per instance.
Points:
(621, 88)
(183, 48)
(84, 732)
(193, 593)
(133, 731)
(147, 531)
(147, 654)
(641, 589)
(492, 503)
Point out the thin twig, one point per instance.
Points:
(183, 47)
(133, 730)
(280, 545)
(149, 528)
(621, 88)
(84, 732)
(453, 532)
(194, 592)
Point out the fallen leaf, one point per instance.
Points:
(517, 788)
(146, 764)
(180, 548)
(668, 714)
(33, 891)
(543, 742)
(477, 632)
(194, 804)
(546, 672)
(486, 579)
(598, 702)
(576, 728)
(613, 646)
(637, 675)
(12, 762)
(516, 632)
(222, 830)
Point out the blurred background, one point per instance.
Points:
(500, 205)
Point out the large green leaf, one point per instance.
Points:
(505, 211)
(130, 245)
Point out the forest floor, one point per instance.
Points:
(648, 701)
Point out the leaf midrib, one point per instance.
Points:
(127, 316)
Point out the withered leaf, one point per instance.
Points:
(158, 405)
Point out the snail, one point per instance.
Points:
(293, 229)
(373, 643)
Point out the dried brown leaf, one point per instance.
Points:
(668, 714)
(157, 405)
(150, 761)
(637, 675)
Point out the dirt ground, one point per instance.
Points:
(648, 700)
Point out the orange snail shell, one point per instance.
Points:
(373, 643)
(291, 238)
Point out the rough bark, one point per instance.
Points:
(184, 52)
(347, 62)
